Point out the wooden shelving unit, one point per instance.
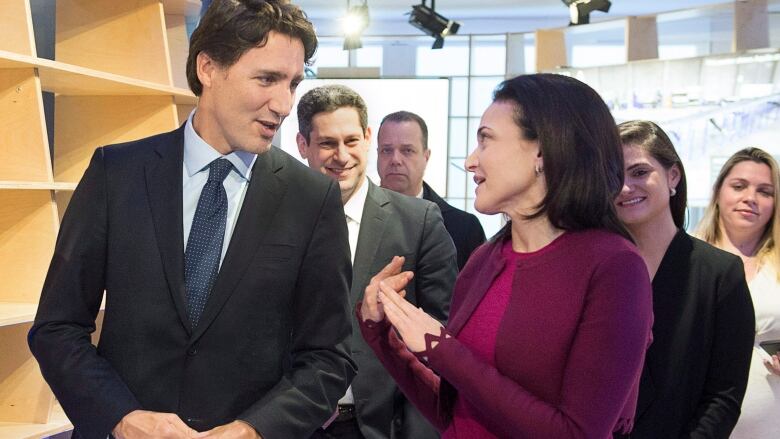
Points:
(113, 81)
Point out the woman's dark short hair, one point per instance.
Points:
(652, 139)
(579, 145)
(229, 28)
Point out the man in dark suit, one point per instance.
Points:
(334, 138)
(403, 156)
(243, 331)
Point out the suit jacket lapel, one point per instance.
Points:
(477, 288)
(164, 189)
(430, 195)
(372, 227)
(261, 204)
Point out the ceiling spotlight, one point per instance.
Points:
(427, 20)
(580, 9)
(353, 24)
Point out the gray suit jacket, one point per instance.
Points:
(395, 224)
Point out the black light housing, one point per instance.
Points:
(580, 9)
(432, 23)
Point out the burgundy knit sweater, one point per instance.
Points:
(569, 341)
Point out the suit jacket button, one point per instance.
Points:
(192, 352)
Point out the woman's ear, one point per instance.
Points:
(673, 176)
(539, 165)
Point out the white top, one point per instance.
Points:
(761, 406)
(353, 210)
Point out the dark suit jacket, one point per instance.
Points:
(270, 347)
(696, 370)
(463, 227)
(394, 224)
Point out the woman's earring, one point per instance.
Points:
(672, 192)
(538, 169)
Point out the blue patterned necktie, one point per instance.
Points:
(204, 245)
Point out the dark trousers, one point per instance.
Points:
(345, 426)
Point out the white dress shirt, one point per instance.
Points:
(353, 209)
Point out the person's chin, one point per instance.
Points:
(346, 185)
(256, 147)
(485, 208)
(393, 186)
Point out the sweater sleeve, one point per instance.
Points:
(724, 388)
(419, 383)
(605, 359)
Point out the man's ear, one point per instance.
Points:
(205, 67)
(302, 145)
(427, 155)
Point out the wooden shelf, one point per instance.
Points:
(25, 152)
(12, 313)
(58, 423)
(28, 230)
(33, 185)
(15, 313)
(16, 23)
(67, 79)
(113, 82)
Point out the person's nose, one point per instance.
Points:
(340, 154)
(750, 197)
(397, 158)
(281, 101)
(472, 162)
(626, 188)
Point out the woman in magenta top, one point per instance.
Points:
(550, 319)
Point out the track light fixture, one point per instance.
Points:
(353, 25)
(429, 21)
(580, 9)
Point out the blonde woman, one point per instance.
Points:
(742, 219)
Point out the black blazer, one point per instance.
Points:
(271, 346)
(464, 228)
(696, 369)
(394, 224)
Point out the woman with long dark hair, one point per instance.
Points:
(551, 318)
(696, 369)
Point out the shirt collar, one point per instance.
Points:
(198, 154)
(353, 209)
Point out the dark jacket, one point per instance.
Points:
(696, 370)
(271, 345)
(464, 228)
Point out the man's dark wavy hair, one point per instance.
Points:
(229, 28)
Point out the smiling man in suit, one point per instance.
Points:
(224, 261)
(403, 156)
(334, 138)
